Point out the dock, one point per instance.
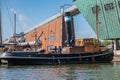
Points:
(116, 56)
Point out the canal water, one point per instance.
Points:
(109, 71)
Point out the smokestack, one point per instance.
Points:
(68, 18)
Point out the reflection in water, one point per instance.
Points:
(62, 72)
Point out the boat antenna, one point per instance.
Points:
(0, 25)
(97, 21)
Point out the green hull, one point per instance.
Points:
(109, 16)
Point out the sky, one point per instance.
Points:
(31, 12)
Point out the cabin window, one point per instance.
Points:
(109, 6)
(119, 3)
(94, 9)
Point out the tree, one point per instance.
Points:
(106, 42)
(94, 41)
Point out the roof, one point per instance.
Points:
(72, 9)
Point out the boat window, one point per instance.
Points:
(119, 3)
(109, 6)
(94, 9)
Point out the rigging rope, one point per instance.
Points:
(9, 14)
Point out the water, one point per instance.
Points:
(62, 72)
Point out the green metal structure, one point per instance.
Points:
(108, 15)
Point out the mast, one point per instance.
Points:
(97, 21)
(0, 26)
(14, 23)
(14, 34)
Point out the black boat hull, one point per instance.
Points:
(36, 58)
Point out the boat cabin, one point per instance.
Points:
(88, 44)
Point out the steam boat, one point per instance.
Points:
(35, 58)
(55, 45)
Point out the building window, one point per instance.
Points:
(74, 0)
(109, 6)
(52, 38)
(119, 3)
(94, 9)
